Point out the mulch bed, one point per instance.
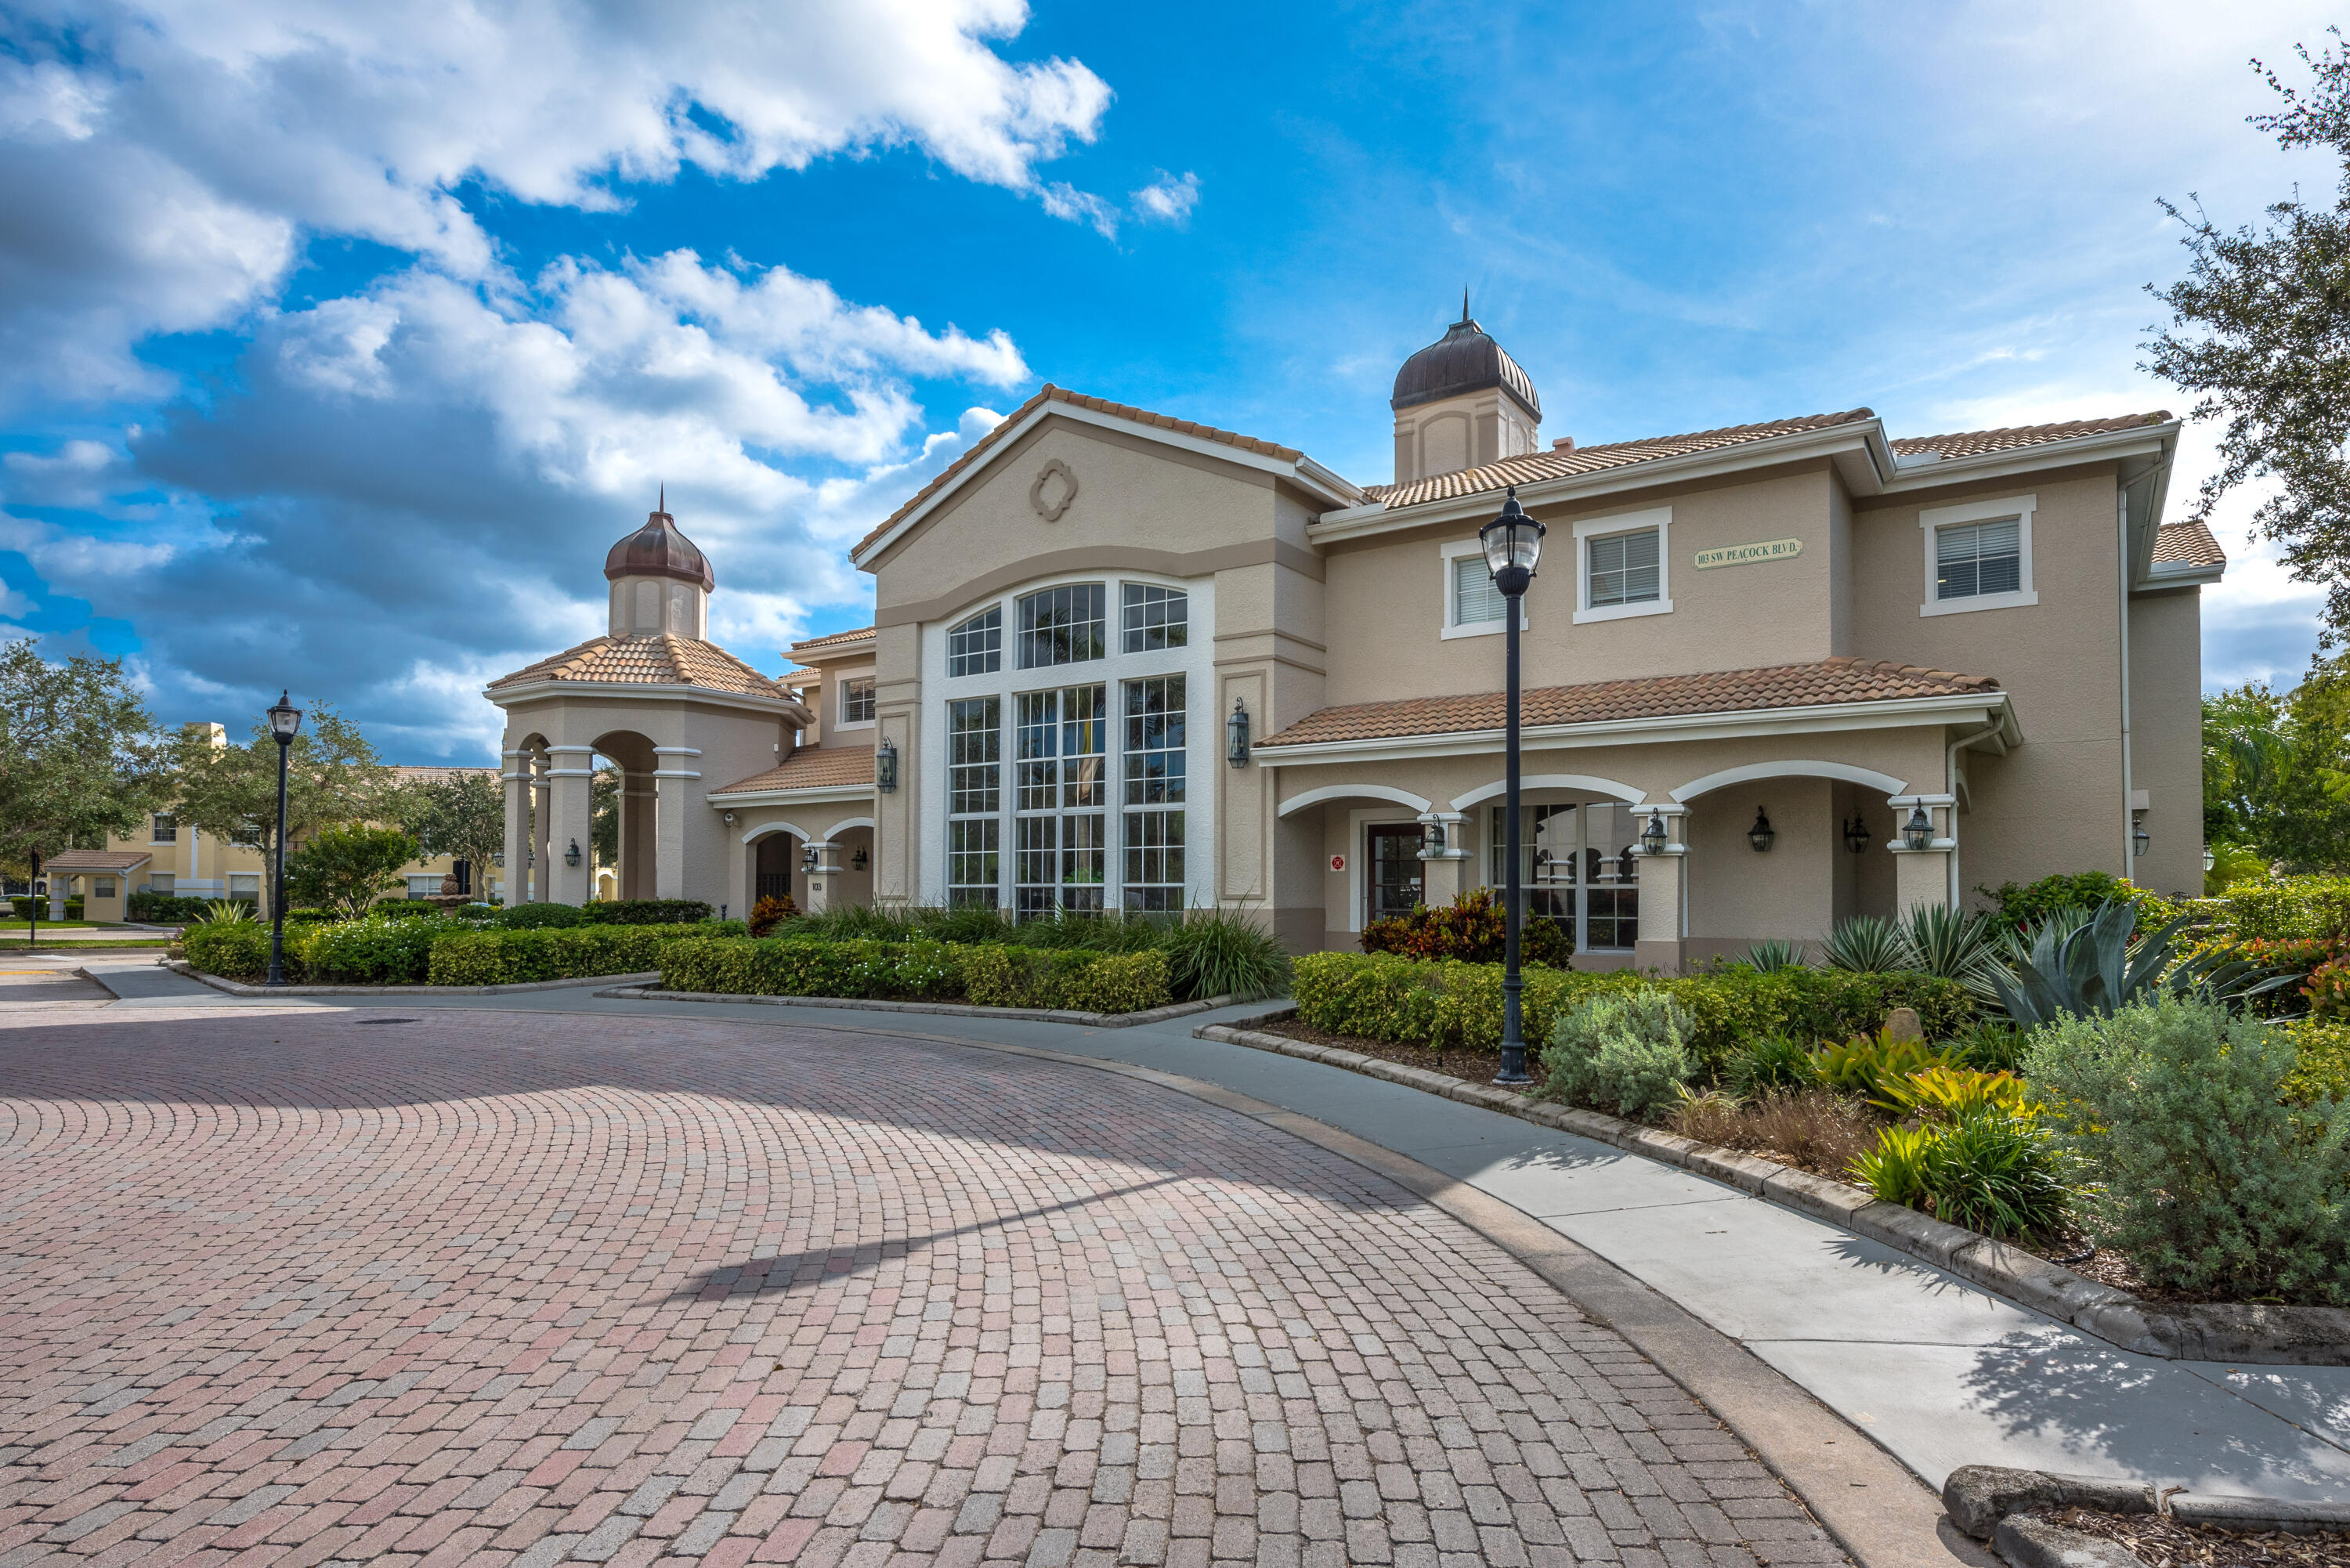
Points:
(1469, 1066)
(2165, 1543)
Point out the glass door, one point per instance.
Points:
(1392, 885)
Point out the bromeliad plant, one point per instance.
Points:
(2100, 965)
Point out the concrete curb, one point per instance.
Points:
(2029, 1542)
(394, 992)
(642, 992)
(1987, 1501)
(2265, 1335)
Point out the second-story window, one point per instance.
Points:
(976, 646)
(166, 829)
(1624, 569)
(1066, 625)
(857, 700)
(1154, 617)
(1972, 560)
(1475, 600)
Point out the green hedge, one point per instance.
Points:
(645, 912)
(514, 958)
(2297, 909)
(989, 975)
(1405, 1002)
(378, 950)
(234, 951)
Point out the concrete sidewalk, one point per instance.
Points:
(1936, 1369)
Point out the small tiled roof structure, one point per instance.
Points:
(810, 767)
(659, 550)
(85, 860)
(665, 660)
(828, 642)
(1050, 393)
(1465, 359)
(1820, 684)
(2188, 544)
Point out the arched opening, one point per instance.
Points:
(626, 815)
(1816, 872)
(528, 809)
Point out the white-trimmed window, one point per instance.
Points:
(1067, 625)
(976, 646)
(1060, 796)
(102, 887)
(857, 701)
(1153, 617)
(166, 829)
(975, 799)
(244, 883)
(1474, 607)
(163, 882)
(1977, 555)
(423, 885)
(1622, 565)
(1155, 769)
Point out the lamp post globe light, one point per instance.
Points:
(285, 721)
(1512, 544)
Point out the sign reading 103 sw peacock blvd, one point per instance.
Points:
(1747, 554)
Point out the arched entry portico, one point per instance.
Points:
(634, 755)
(1810, 878)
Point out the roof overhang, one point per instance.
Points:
(1863, 456)
(71, 862)
(1981, 708)
(810, 792)
(1305, 472)
(633, 692)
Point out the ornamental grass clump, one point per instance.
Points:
(1215, 953)
(1626, 1053)
(2195, 1167)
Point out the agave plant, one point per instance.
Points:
(1772, 954)
(2101, 964)
(1956, 944)
(1867, 944)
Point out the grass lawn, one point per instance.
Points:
(47, 925)
(11, 943)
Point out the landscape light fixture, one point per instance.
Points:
(885, 767)
(1760, 834)
(1512, 545)
(285, 721)
(1236, 735)
(1919, 831)
(1652, 837)
(1855, 835)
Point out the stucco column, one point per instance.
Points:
(639, 854)
(1442, 872)
(543, 816)
(668, 835)
(1664, 891)
(1922, 875)
(570, 778)
(516, 778)
(825, 880)
(57, 896)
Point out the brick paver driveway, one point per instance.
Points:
(488, 1287)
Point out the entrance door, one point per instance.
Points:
(1393, 885)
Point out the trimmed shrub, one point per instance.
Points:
(2295, 908)
(1474, 928)
(2023, 905)
(234, 951)
(374, 952)
(537, 917)
(1378, 996)
(1624, 1053)
(2195, 1168)
(164, 909)
(645, 912)
(24, 907)
(515, 957)
(2320, 1067)
(991, 974)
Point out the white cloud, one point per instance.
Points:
(179, 152)
(1168, 200)
(1065, 201)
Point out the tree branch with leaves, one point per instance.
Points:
(80, 760)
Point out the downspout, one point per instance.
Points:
(1950, 788)
(2122, 577)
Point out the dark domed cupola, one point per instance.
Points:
(660, 580)
(1462, 402)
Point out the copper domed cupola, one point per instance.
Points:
(1462, 402)
(660, 580)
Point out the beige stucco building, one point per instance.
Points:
(1771, 647)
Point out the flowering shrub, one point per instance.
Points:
(1473, 927)
(2327, 990)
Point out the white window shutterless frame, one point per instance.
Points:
(1623, 556)
(1472, 605)
(1968, 540)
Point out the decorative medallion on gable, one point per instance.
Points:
(1054, 488)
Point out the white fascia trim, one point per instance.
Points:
(2136, 441)
(2179, 574)
(675, 773)
(1359, 522)
(1959, 708)
(589, 750)
(630, 692)
(814, 793)
(1306, 471)
(674, 751)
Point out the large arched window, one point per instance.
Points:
(976, 646)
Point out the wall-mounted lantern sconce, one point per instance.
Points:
(2139, 838)
(885, 767)
(808, 858)
(1236, 736)
(1431, 838)
(1652, 837)
(858, 860)
(1855, 836)
(1760, 834)
(2209, 859)
(1919, 831)
(571, 855)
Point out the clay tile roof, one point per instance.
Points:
(833, 639)
(1559, 464)
(810, 767)
(96, 860)
(1051, 393)
(1974, 443)
(1829, 680)
(2187, 544)
(663, 661)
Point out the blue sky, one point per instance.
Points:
(338, 343)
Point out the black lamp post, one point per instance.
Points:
(284, 720)
(1512, 544)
